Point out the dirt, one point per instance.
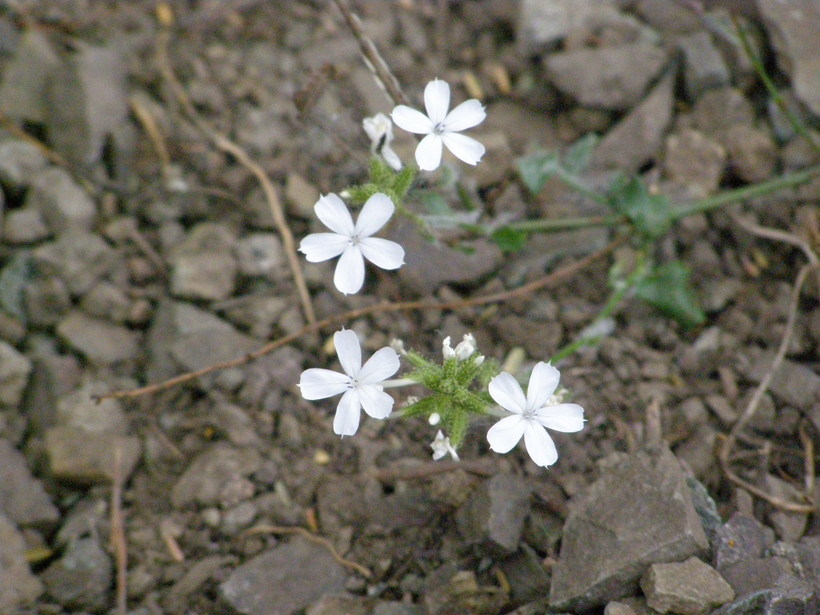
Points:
(233, 466)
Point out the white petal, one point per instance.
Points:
(391, 158)
(507, 393)
(374, 215)
(319, 247)
(382, 252)
(317, 383)
(411, 120)
(349, 274)
(333, 213)
(463, 147)
(428, 152)
(346, 421)
(383, 364)
(539, 445)
(468, 114)
(349, 351)
(567, 418)
(437, 100)
(506, 433)
(375, 402)
(543, 382)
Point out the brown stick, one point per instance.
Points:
(228, 146)
(118, 534)
(405, 306)
(372, 57)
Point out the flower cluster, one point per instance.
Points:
(463, 384)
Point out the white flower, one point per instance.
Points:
(442, 128)
(353, 241)
(360, 385)
(441, 447)
(434, 419)
(532, 415)
(380, 130)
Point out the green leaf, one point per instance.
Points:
(435, 204)
(537, 169)
(668, 289)
(650, 214)
(577, 157)
(509, 240)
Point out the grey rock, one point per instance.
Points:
(720, 108)
(348, 604)
(808, 549)
(258, 314)
(61, 201)
(283, 580)
(542, 23)
(19, 161)
(26, 78)
(46, 301)
(638, 137)
(80, 409)
(793, 383)
(752, 152)
(99, 341)
(19, 588)
(260, 254)
(108, 301)
(695, 162)
(53, 375)
(203, 265)
(741, 538)
(618, 608)
(81, 578)
(525, 572)
(183, 337)
(704, 66)
(638, 513)
(792, 595)
(22, 226)
(79, 456)
(792, 26)
(13, 280)
(87, 102)
(789, 526)
(396, 608)
(22, 497)
(77, 257)
(753, 575)
(430, 265)
(201, 571)
(212, 473)
(688, 588)
(300, 197)
(15, 368)
(613, 77)
(493, 516)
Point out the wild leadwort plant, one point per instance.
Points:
(464, 385)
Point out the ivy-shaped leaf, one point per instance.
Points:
(650, 214)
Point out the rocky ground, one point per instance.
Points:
(137, 246)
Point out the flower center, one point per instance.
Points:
(438, 128)
(529, 414)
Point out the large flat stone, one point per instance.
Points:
(638, 513)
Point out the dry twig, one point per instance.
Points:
(405, 306)
(725, 450)
(226, 145)
(118, 534)
(278, 529)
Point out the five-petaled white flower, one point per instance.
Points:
(442, 128)
(531, 415)
(380, 130)
(353, 242)
(360, 385)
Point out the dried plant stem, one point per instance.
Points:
(728, 443)
(384, 76)
(405, 306)
(278, 529)
(226, 145)
(118, 534)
